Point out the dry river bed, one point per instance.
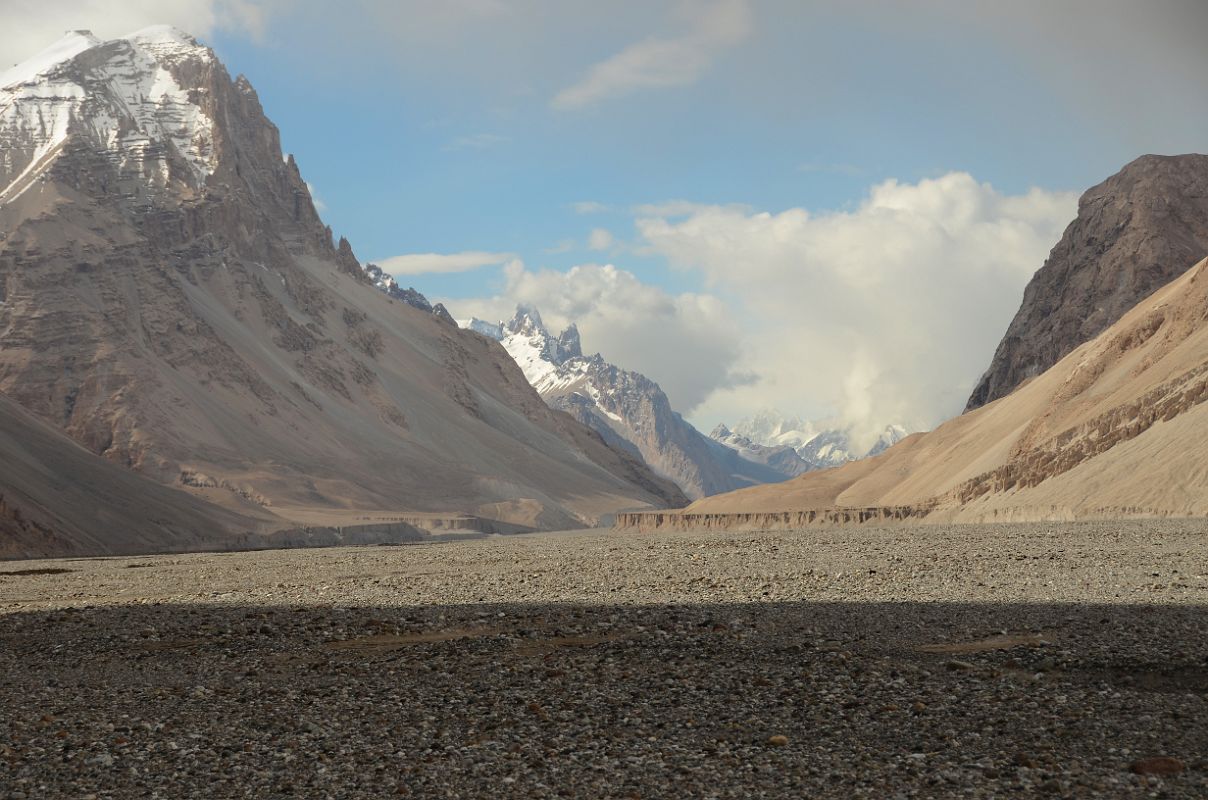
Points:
(1048, 660)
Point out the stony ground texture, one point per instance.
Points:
(971, 661)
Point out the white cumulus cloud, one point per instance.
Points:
(887, 313)
(30, 26)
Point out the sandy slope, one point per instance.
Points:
(57, 497)
(1117, 426)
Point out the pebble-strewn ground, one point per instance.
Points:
(975, 661)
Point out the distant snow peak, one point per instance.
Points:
(629, 410)
(161, 36)
(770, 427)
(888, 438)
(385, 283)
(526, 337)
(569, 342)
(526, 322)
(492, 330)
(817, 444)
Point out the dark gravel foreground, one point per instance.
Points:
(872, 696)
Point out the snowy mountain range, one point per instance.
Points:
(820, 447)
(630, 411)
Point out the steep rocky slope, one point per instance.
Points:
(1117, 427)
(1134, 233)
(170, 299)
(630, 411)
(56, 498)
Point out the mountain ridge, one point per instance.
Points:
(1134, 233)
(171, 300)
(629, 409)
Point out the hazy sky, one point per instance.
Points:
(830, 208)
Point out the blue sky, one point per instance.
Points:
(808, 110)
(843, 166)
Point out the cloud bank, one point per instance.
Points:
(885, 313)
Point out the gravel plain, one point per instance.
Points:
(1047, 660)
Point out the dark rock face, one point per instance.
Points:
(558, 350)
(1135, 232)
(387, 284)
(569, 342)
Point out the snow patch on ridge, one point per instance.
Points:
(71, 45)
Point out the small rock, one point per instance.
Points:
(103, 759)
(1157, 765)
(778, 740)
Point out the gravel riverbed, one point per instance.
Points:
(1051, 660)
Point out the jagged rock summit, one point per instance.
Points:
(1134, 233)
(171, 301)
(630, 410)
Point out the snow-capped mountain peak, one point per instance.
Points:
(888, 438)
(570, 343)
(539, 353)
(818, 444)
(164, 42)
(527, 322)
(630, 410)
(771, 428)
(167, 37)
(141, 98)
(491, 330)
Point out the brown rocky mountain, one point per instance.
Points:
(1134, 233)
(1119, 427)
(171, 301)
